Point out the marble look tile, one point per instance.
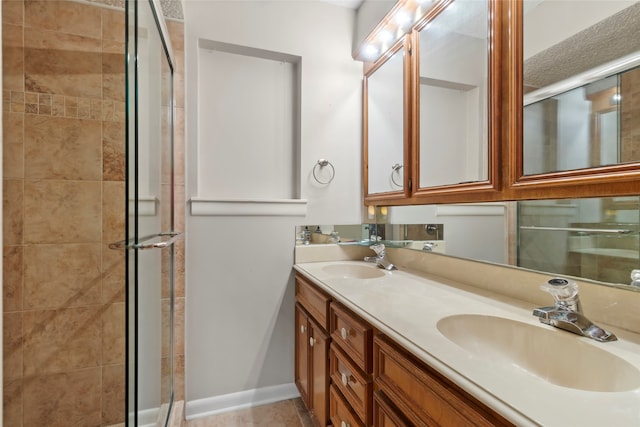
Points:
(13, 140)
(113, 151)
(12, 346)
(63, 64)
(113, 25)
(165, 330)
(179, 268)
(13, 212)
(12, 57)
(62, 275)
(280, 414)
(12, 278)
(113, 394)
(64, 16)
(113, 211)
(179, 146)
(61, 340)
(303, 413)
(113, 334)
(63, 400)
(178, 377)
(62, 211)
(113, 275)
(113, 66)
(178, 326)
(165, 379)
(62, 148)
(13, 12)
(12, 403)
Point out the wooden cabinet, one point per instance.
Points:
(470, 137)
(421, 395)
(312, 349)
(351, 362)
(351, 376)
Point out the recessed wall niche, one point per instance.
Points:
(248, 123)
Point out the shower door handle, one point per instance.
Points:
(173, 236)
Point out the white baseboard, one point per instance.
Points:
(148, 417)
(240, 400)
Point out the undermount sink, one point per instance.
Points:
(556, 356)
(354, 271)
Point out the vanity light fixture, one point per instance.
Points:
(395, 24)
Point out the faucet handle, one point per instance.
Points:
(378, 249)
(564, 292)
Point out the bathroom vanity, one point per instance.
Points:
(407, 347)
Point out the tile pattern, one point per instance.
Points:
(63, 179)
(287, 413)
(176, 33)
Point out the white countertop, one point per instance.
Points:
(407, 305)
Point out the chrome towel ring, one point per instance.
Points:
(395, 169)
(318, 166)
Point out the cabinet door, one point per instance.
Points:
(319, 377)
(302, 354)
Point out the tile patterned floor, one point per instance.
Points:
(288, 413)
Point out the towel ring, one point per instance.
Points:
(395, 168)
(322, 163)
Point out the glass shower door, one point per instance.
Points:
(150, 233)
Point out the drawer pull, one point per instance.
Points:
(344, 333)
(302, 329)
(344, 424)
(311, 341)
(345, 379)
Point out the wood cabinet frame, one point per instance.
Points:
(603, 181)
(404, 44)
(506, 179)
(472, 191)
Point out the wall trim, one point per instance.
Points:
(476, 209)
(267, 207)
(240, 400)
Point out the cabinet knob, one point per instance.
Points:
(344, 333)
(302, 329)
(311, 341)
(345, 380)
(344, 424)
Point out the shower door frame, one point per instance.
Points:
(134, 242)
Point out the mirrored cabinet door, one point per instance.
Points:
(579, 86)
(457, 97)
(386, 132)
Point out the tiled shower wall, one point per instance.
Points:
(63, 296)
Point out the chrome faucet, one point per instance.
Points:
(567, 312)
(380, 258)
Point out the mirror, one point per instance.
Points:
(385, 134)
(453, 58)
(579, 71)
(593, 238)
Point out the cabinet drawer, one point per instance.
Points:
(341, 415)
(355, 385)
(423, 395)
(353, 335)
(385, 414)
(313, 300)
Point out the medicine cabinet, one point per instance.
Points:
(480, 128)
(385, 126)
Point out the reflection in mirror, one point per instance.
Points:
(591, 238)
(580, 82)
(384, 115)
(453, 55)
